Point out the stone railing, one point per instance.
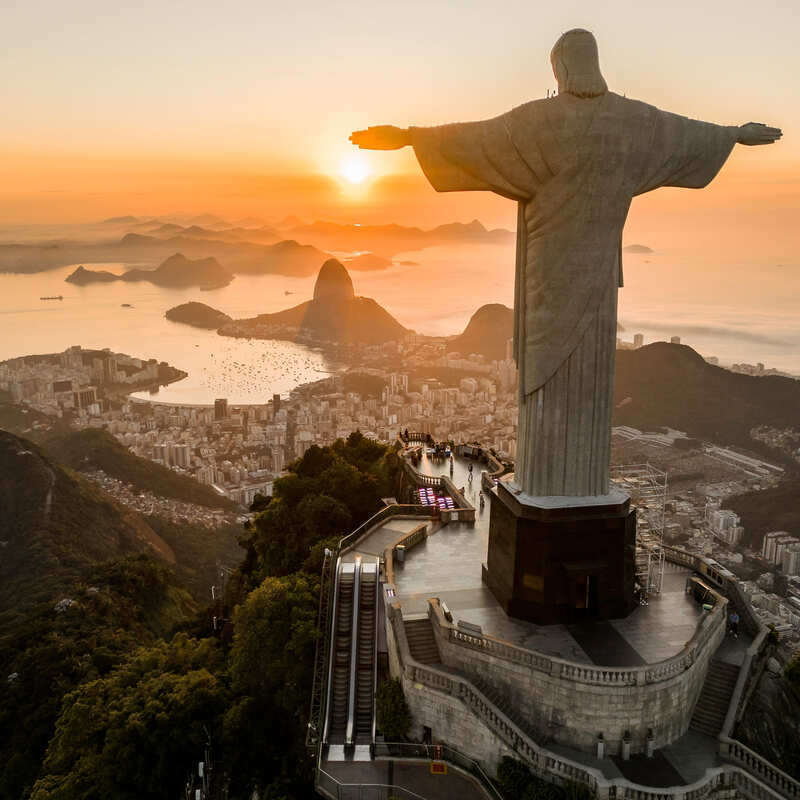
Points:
(464, 510)
(587, 673)
(730, 749)
(414, 436)
(394, 510)
(414, 537)
(723, 579)
(766, 772)
(553, 766)
(742, 681)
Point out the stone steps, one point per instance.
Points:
(712, 705)
(501, 702)
(421, 641)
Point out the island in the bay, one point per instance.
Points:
(176, 271)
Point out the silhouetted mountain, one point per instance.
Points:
(83, 276)
(232, 248)
(368, 261)
(289, 222)
(127, 220)
(671, 385)
(176, 271)
(487, 332)
(198, 314)
(391, 239)
(179, 271)
(335, 314)
(207, 220)
(286, 257)
(166, 229)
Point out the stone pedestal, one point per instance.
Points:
(561, 559)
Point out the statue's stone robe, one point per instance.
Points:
(573, 165)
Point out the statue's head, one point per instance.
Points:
(576, 64)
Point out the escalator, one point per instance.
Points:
(350, 711)
(365, 656)
(339, 681)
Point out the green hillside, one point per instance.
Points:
(672, 385)
(97, 449)
(83, 581)
(54, 524)
(116, 687)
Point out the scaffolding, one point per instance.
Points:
(647, 487)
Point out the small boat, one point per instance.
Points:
(126, 305)
(55, 297)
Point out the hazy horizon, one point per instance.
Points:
(245, 113)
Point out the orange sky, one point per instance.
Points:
(244, 108)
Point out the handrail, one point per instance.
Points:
(741, 682)
(355, 789)
(331, 632)
(377, 601)
(588, 673)
(550, 765)
(318, 697)
(765, 770)
(351, 700)
(396, 509)
(419, 752)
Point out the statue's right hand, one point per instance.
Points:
(381, 137)
(755, 133)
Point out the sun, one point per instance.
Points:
(354, 168)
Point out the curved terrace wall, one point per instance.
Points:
(570, 703)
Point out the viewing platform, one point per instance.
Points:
(448, 566)
(641, 707)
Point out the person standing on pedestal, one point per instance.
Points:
(573, 162)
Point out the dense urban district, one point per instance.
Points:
(238, 451)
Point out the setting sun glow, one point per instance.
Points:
(354, 169)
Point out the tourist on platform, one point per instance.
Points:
(734, 620)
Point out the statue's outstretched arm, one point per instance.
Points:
(754, 133)
(381, 137)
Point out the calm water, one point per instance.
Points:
(436, 296)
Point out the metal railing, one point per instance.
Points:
(330, 787)
(442, 752)
(315, 717)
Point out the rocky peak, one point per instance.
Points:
(333, 282)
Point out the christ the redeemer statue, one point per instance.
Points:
(573, 162)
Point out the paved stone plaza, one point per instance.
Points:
(448, 566)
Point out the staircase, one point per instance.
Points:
(499, 700)
(342, 643)
(365, 658)
(712, 705)
(421, 641)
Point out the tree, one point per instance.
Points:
(136, 733)
(272, 657)
(394, 718)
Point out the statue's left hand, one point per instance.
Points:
(381, 137)
(754, 133)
